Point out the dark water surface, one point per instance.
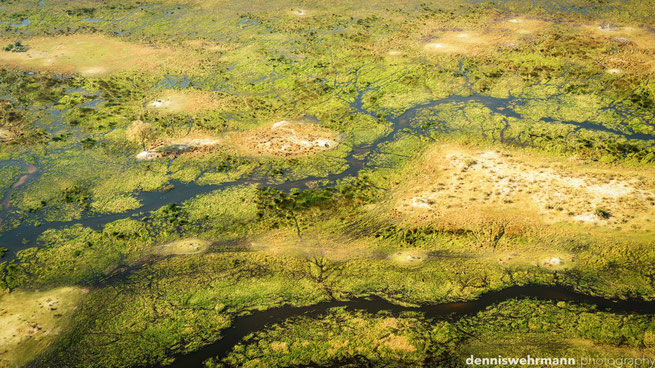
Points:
(259, 320)
(26, 235)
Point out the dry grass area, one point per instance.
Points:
(463, 186)
(186, 101)
(6, 135)
(30, 320)
(398, 343)
(409, 257)
(284, 139)
(282, 243)
(91, 55)
(521, 25)
(195, 142)
(464, 42)
(617, 351)
(636, 45)
(182, 247)
(503, 33)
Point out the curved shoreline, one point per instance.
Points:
(26, 235)
(258, 320)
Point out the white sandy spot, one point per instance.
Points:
(147, 155)
(420, 203)
(94, 70)
(281, 124)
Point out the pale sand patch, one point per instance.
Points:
(92, 55)
(502, 34)
(399, 343)
(6, 135)
(187, 101)
(421, 203)
(522, 25)
(30, 321)
(457, 183)
(171, 147)
(148, 155)
(541, 258)
(94, 71)
(642, 38)
(409, 257)
(182, 247)
(637, 46)
(464, 42)
(284, 139)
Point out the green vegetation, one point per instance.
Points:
(190, 163)
(354, 339)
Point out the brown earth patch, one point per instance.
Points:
(91, 55)
(457, 184)
(191, 102)
(284, 139)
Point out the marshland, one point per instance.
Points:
(325, 184)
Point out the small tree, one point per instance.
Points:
(140, 133)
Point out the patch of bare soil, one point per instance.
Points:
(285, 139)
(193, 143)
(462, 42)
(636, 46)
(191, 102)
(460, 183)
(183, 247)
(91, 55)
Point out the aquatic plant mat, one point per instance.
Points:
(334, 184)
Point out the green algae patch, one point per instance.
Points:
(31, 320)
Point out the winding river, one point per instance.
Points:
(359, 158)
(258, 320)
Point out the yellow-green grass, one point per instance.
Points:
(182, 247)
(93, 55)
(31, 320)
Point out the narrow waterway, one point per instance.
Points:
(359, 158)
(259, 320)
